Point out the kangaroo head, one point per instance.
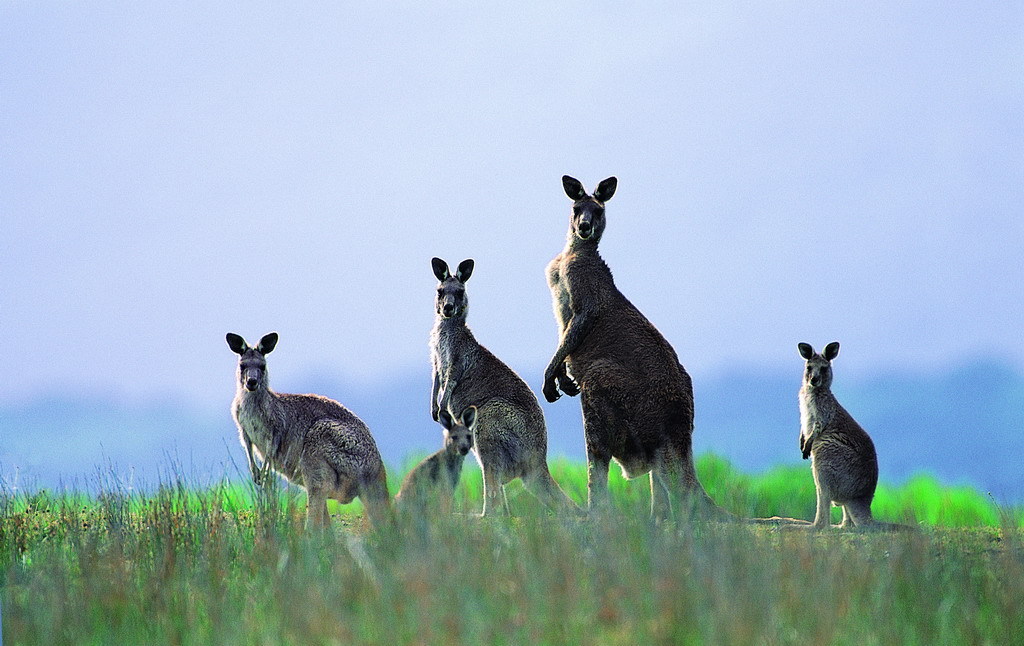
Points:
(818, 369)
(451, 298)
(252, 362)
(458, 434)
(587, 221)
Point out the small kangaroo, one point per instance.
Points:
(637, 398)
(312, 441)
(438, 474)
(843, 458)
(511, 439)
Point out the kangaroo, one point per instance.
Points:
(511, 439)
(637, 398)
(843, 458)
(438, 474)
(312, 441)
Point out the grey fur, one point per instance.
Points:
(511, 437)
(843, 458)
(637, 398)
(311, 440)
(437, 476)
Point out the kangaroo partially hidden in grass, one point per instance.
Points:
(843, 458)
(437, 476)
(511, 439)
(312, 441)
(637, 398)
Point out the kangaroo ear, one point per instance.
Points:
(446, 420)
(267, 343)
(606, 189)
(806, 351)
(831, 351)
(465, 270)
(469, 417)
(440, 269)
(573, 188)
(237, 343)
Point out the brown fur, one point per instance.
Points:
(312, 441)
(843, 458)
(511, 438)
(435, 478)
(637, 398)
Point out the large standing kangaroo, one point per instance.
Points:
(511, 440)
(637, 399)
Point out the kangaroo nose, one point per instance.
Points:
(251, 383)
(463, 450)
(448, 309)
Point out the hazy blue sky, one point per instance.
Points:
(787, 172)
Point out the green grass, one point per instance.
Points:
(232, 565)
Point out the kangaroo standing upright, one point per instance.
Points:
(438, 474)
(843, 458)
(637, 399)
(511, 438)
(313, 441)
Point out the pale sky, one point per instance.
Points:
(787, 172)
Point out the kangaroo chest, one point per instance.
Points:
(447, 349)
(815, 411)
(254, 424)
(558, 283)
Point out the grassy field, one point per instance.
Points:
(232, 565)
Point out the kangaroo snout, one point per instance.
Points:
(585, 228)
(251, 378)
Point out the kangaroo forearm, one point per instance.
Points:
(805, 447)
(447, 392)
(577, 329)
(434, 388)
(448, 382)
(257, 471)
(249, 456)
(275, 449)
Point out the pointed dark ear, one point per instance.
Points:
(469, 417)
(806, 351)
(573, 188)
(605, 190)
(440, 269)
(831, 351)
(267, 343)
(237, 343)
(465, 270)
(446, 420)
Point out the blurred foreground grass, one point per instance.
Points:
(231, 565)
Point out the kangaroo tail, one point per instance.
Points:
(890, 527)
(543, 486)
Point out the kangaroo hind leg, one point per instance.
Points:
(858, 511)
(316, 510)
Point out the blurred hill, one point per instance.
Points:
(964, 426)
